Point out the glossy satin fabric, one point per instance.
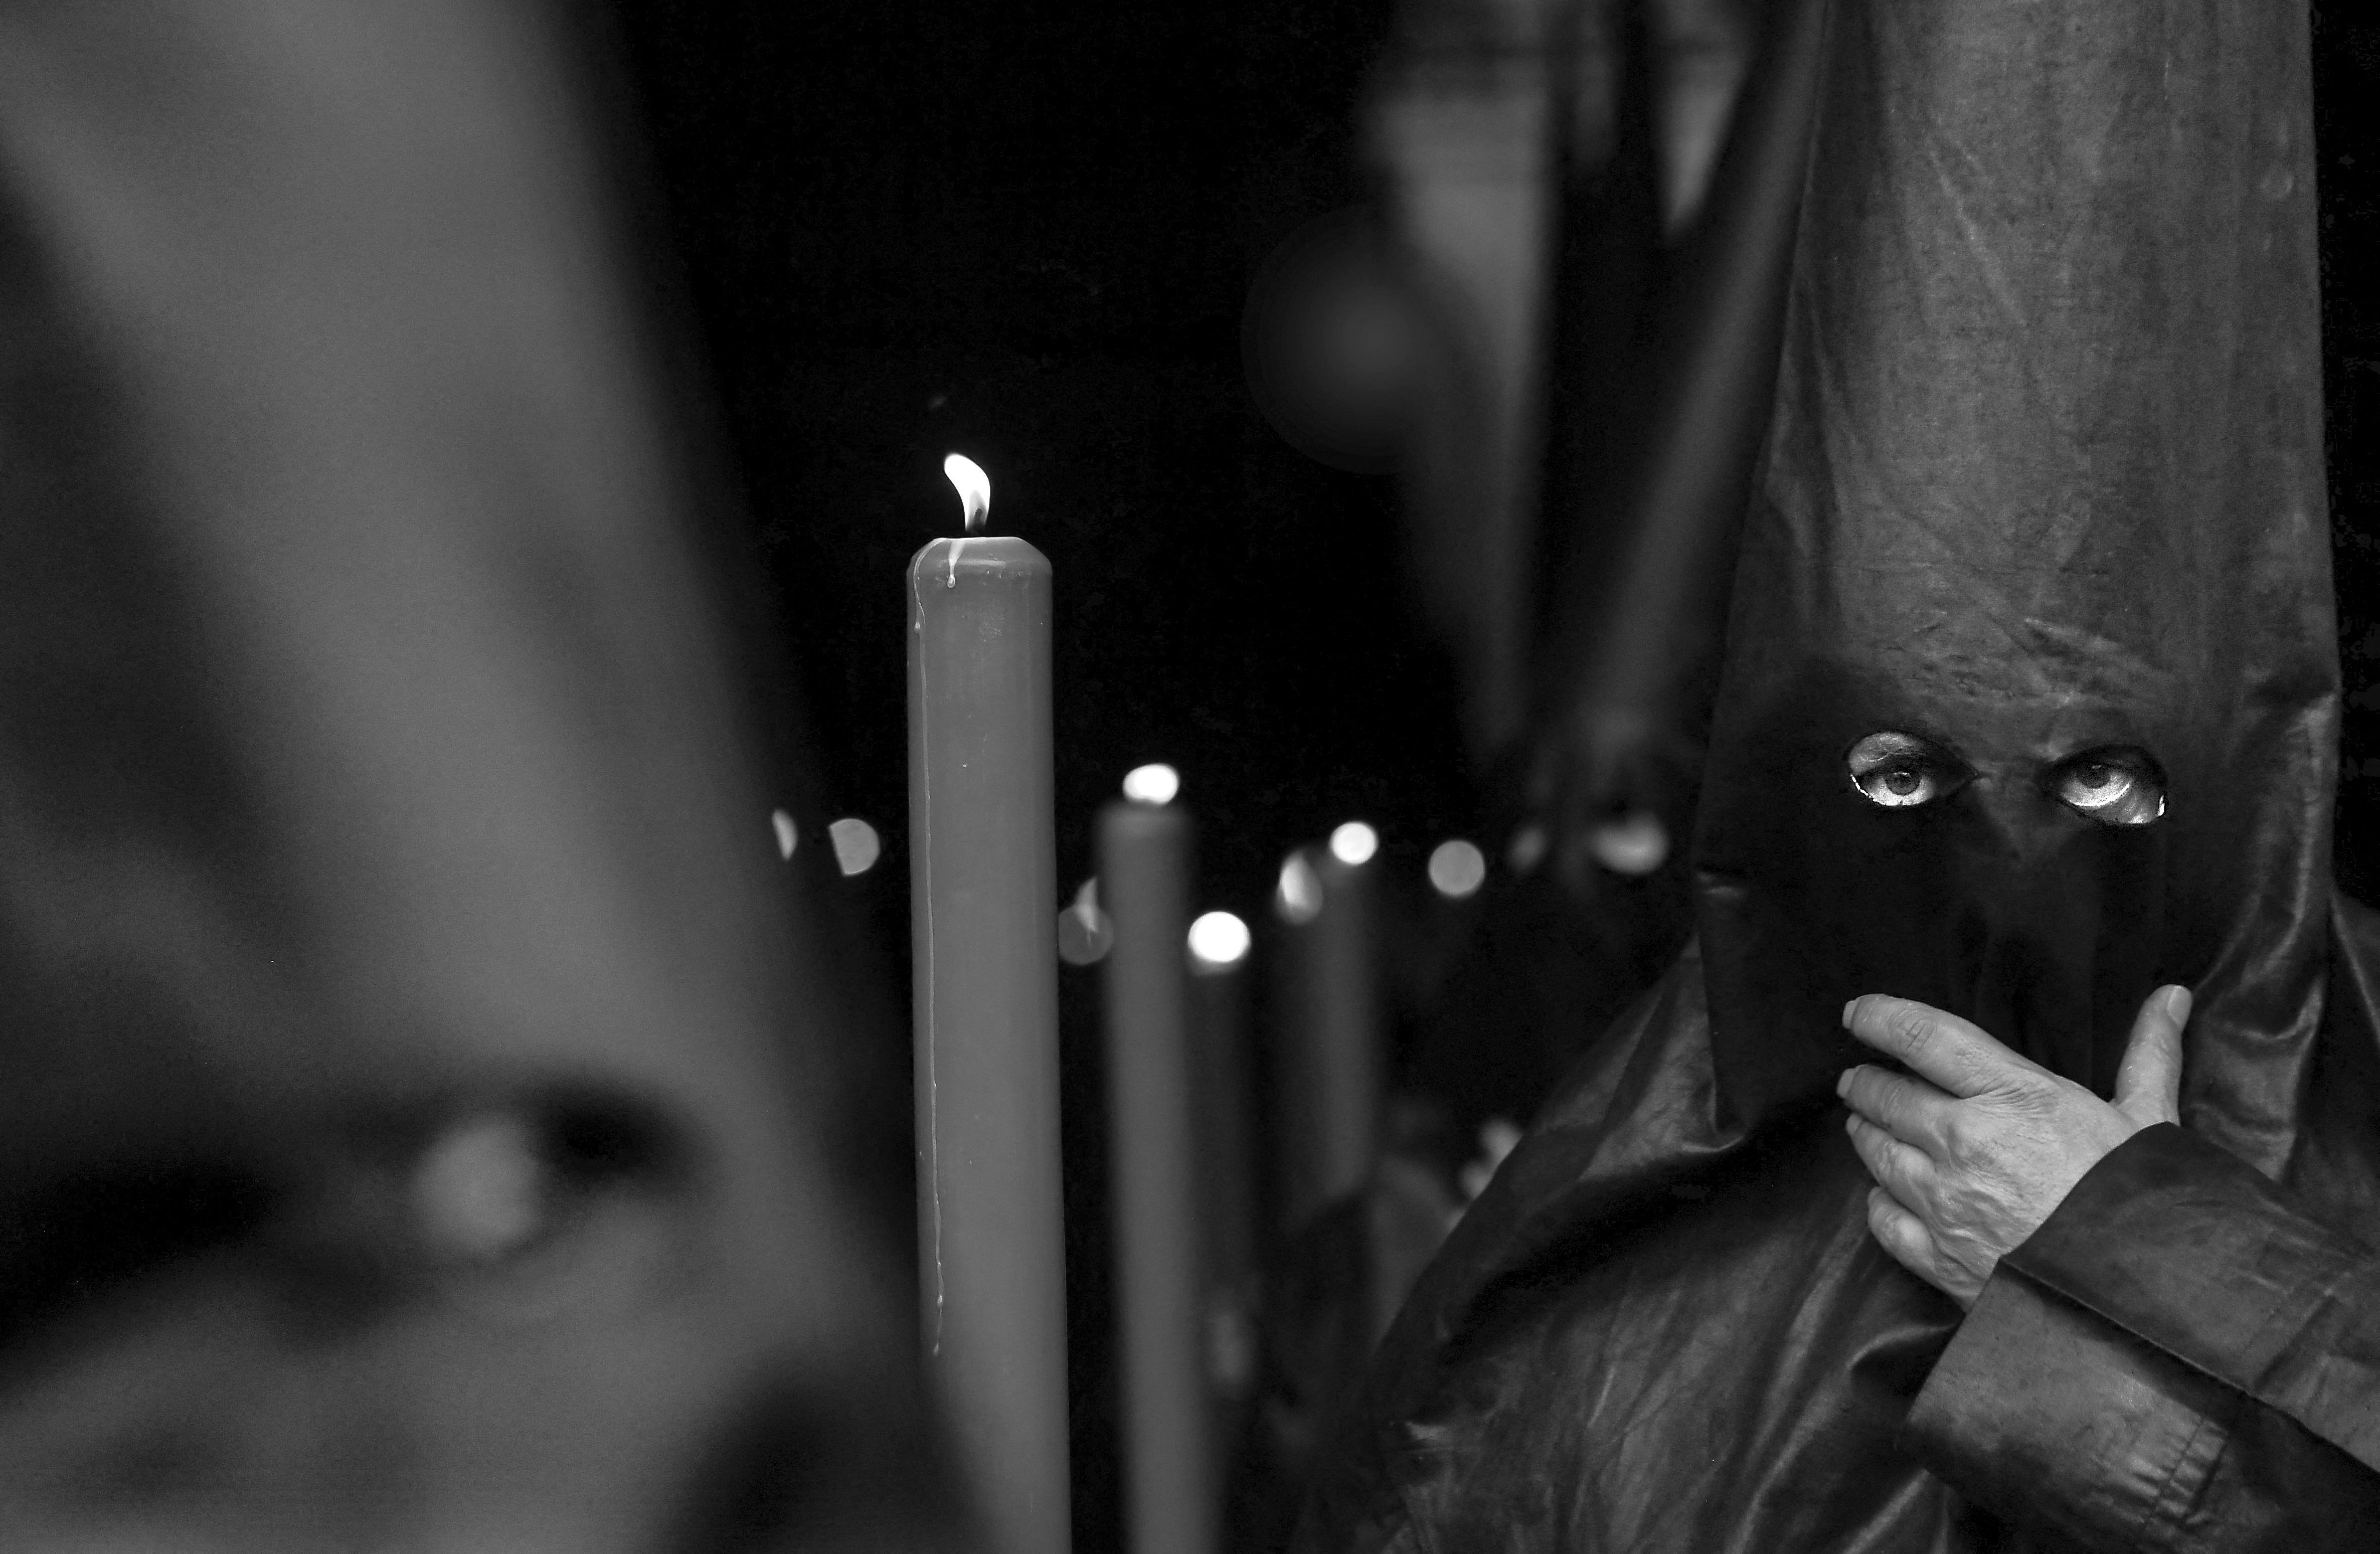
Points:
(1654, 1330)
(2045, 476)
(1660, 1330)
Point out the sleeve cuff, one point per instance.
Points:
(2177, 1349)
(2037, 1405)
(2191, 1250)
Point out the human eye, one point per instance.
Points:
(1901, 770)
(2116, 787)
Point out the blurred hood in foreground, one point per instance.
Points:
(411, 1135)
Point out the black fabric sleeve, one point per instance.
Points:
(2180, 1358)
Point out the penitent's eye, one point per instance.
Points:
(2116, 787)
(1898, 770)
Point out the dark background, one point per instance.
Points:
(2347, 79)
(1024, 231)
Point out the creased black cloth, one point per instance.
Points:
(2044, 481)
(2046, 475)
(2182, 1356)
(1658, 1330)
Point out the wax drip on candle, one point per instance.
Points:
(974, 503)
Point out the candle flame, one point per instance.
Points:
(974, 487)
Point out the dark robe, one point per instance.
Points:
(1660, 1330)
(2044, 486)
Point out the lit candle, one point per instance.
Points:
(1169, 1477)
(983, 885)
(1329, 1021)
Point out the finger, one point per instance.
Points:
(1903, 1171)
(1909, 1109)
(1958, 1056)
(1906, 1240)
(2148, 1084)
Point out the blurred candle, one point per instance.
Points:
(983, 881)
(1170, 1482)
(1224, 1106)
(1328, 1019)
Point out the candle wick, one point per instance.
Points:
(952, 579)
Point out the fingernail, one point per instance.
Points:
(2176, 1005)
(1843, 1082)
(1847, 1013)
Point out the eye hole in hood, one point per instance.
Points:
(1901, 770)
(2116, 786)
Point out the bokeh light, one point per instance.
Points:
(1457, 868)
(1298, 898)
(1355, 843)
(857, 845)
(1218, 940)
(789, 836)
(1152, 785)
(1086, 934)
(1333, 341)
(1635, 844)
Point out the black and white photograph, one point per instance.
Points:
(1272, 777)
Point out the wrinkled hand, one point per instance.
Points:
(1971, 1163)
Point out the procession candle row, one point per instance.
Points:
(984, 948)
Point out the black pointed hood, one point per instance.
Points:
(2039, 540)
(2043, 491)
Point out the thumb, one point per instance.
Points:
(2148, 1084)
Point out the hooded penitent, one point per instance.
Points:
(2028, 707)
